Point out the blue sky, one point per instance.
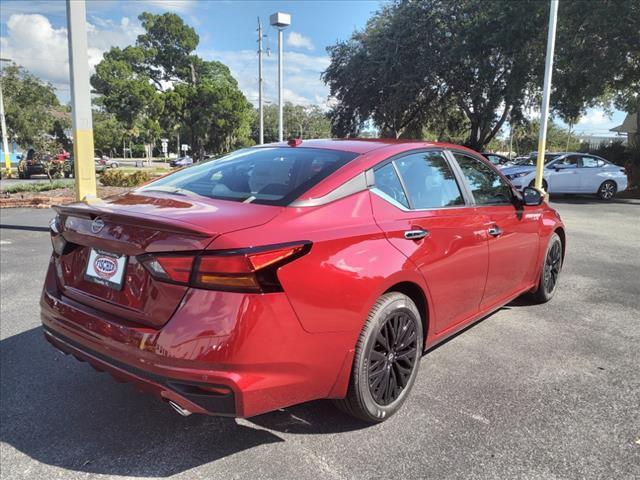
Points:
(33, 33)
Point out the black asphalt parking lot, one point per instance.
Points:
(535, 392)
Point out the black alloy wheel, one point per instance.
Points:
(552, 267)
(386, 359)
(392, 357)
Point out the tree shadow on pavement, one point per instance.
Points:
(61, 412)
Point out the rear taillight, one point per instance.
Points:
(246, 270)
(58, 242)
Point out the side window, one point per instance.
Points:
(487, 186)
(429, 181)
(590, 162)
(570, 161)
(388, 182)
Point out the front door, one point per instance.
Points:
(512, 232)
(562, 175)
(418, 204)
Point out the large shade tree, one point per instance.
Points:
(422, 63)
(30, 106)
(159, 86)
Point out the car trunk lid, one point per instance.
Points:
(132, 225)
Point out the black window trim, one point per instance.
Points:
(467, 187)
(455, 169)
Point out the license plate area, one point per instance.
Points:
(106, 268)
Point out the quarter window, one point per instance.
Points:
(429, 181)
(387, 181)
(487, 187)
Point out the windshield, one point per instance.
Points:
(269, 175)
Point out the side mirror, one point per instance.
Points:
(531, 196)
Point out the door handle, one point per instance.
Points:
(495, 231)
(416, 234)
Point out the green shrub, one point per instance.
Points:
(38, 187)
(119, 178)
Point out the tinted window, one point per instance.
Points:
(429, 180)
(271, 176)
(487, 186)
(388, 182)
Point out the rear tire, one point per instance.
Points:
(551, 268)
(386, 359)
(607, 190)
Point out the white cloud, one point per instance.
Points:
(594, 118)
(32, 42)
(302, 83)
(180, 6)
(297, 40)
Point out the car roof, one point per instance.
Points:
(370, 152)
(365, 145)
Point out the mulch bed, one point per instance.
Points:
(46, 199)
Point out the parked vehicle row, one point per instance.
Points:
(568, 173)
(291, 272)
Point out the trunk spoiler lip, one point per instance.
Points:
(93, 211)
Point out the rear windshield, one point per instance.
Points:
(266, 175)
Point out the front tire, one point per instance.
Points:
(545, 186)
(386, 359)
(548, 282)
(607, 190)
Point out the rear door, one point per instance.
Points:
(512, 232)
(422, 210)
(588, 173)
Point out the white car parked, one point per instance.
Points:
(573, 173)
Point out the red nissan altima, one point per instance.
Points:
(296, 271)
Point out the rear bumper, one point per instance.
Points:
(189, 396)
(221, 353)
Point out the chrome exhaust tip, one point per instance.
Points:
(182, 411)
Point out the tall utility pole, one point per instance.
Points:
(544, 109)
(280, 21)
(260, 84)
(5, 142)
(85, 169)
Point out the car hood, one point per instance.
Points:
(515, 169)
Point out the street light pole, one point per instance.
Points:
(281, 21)
(5, 143)
(544, 109)
(85, 170)
(260, 84)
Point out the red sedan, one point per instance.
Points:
(291, 272)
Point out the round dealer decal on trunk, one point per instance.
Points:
(105, 267)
